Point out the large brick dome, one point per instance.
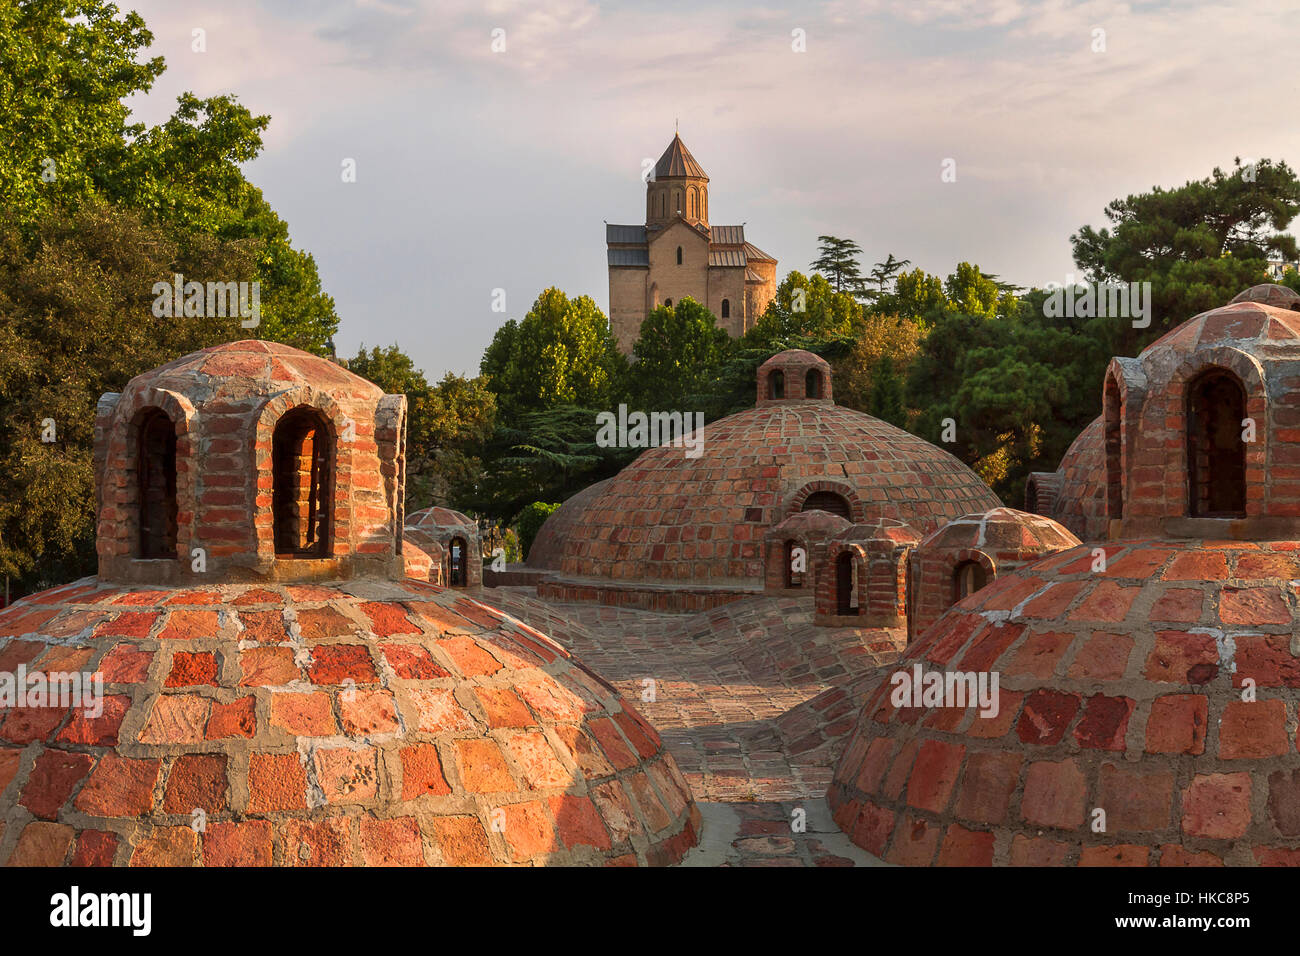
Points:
(1075, 494)
(1121, 690)
(669, 518)
(372, 723)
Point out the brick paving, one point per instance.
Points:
(752, 700)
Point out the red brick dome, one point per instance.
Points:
(670, 518)
(1002, 531)
(451, 542)
(248, 461)
(373, 722)
(1122, 690)
(547, 549)
(1075, 494)
(1194, 427)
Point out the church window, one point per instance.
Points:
(679, 255)
(726, 308)
(668, 303)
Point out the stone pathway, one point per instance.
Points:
(752, 700)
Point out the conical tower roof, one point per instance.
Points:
(677, 162)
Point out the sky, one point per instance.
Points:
(479, 170)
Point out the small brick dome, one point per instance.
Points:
(795, 375)
(1224, 385)
(862, 575)
(373, 722)
(671, 519)
(808, 531)
(973, 550)
(1075, 494)
(248, 461)
(1121, 690)
(452, 543)
(1270, 293)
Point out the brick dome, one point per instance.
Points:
(1075, 494)
(795, 375)
(1195, 426)
(1121, 690)
(1270, 293)
(373, 722)
(248, 461)
(547, 549)
(451, 542)
(668, 518)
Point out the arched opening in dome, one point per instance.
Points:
(1113, 413)
(155, 473)
(828, 501)
(967, 578)
(793, 576)
(846, 590)
(776, 385)
(813, 384)
(302, 450)
(1216, 454)
(457, 561)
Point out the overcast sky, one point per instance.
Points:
(479, 170)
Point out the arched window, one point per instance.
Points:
(828, 501)
(668, 303)
(1112, 412)
(726, 308)
(967, 578)
(679, 255)
(793, 578)
(812, 384)
(156, 485)
(690, 202)
(846, 592)
(302, 450)
(776, 384)
(677, 202)
(457, 560)
(1216, 455)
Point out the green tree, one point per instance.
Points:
(561, 353)
(885, 272)
(804, 307)
(837, 259)
(1198, 244)
(917, 295)
(529, 521)
(69, 66)
(76, 302)
(448, 425)
(678, 355)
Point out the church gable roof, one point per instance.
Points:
(727, 235)
(624, 235)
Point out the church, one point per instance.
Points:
(677, 254)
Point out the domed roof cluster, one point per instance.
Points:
(672, 519)
(1146, 690)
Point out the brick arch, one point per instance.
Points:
(825, 600)
(856, 506)
(268, 416)
(1250, 375)
(1126, 380)
(776, 569)
(119, 511)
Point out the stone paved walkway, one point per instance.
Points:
(752, 700)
